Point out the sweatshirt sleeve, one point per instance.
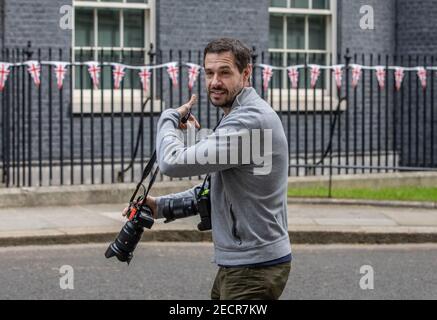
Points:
(211, 154)
(185, 194)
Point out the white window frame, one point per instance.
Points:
(331, 49)
(82, 98)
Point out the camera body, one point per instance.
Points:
(204, 209)
(141, 216)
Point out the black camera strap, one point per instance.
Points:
(146, 172)
(208, 176)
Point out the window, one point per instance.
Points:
(300, 29)
(111, 31)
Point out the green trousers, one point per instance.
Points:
(265, 283)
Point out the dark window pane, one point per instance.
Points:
(299, 4)
(317, 33)
(109, 28)
(84, 28)
(134, 28)
(278, 3)
(320, 4)
(276, 35)
(296, 32)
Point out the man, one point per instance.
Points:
(248, 199)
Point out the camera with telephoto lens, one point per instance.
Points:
(185, 207)
(140, 217)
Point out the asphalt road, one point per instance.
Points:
(184, 271)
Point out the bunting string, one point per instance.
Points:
(173, 70)
(381, 73)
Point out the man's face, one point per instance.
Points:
(223, 79)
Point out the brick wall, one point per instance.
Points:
(192, 24)
(380, 40)
(416, 34)
(2, 23)
(416, 28)
(37, 21)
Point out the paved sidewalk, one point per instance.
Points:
(308, 223)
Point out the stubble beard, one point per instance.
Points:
(229, 101)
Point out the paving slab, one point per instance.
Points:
(308, 223)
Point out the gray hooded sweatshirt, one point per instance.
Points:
(248, 192)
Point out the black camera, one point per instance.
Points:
(140, 217)
(185, 207)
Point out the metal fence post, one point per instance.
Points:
(151, 53)
(3, 132)
(28, 52)
(254, 58)
(347, 59)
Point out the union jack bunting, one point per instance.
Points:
(60, 71)
(315, 73)
(421, 73)
(356, 75)
(118, 75)
(399, 77)
(145, 75)
(380, 75)
(338, 75)
(4, 73)
(173, 72)
(193, 73)
(267, 76)
(34, 68)
(94, 71)
(293, 74)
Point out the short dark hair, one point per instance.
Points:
(242, 54)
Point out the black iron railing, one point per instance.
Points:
(78, 134)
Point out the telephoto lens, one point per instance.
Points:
(179, 208)
(124, 245)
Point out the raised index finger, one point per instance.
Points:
(192, 101)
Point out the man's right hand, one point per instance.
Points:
(150, 202)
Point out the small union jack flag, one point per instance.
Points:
(267, 76)
(380, 75)
(94, 70)
(34, 69)
(293, 74)
(118, 75)
(356, 75)
(399, 77)
(421, 73)
(145, 75)
(173, 72)
(338, 75)
(60, 71)
(315, 73)
(193, 73)
(4, 73)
